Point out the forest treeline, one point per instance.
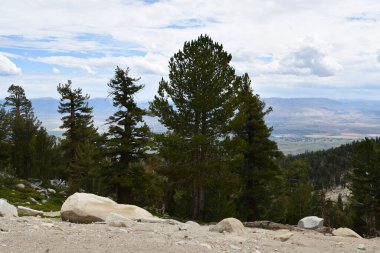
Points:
(216, 159)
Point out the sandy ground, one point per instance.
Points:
(31, 234)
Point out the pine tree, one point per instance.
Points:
(201, 87)
(299, 192)
(128, 134)
(24, 129)
(5, 139)
(261, 176)
(20, 105)
(365, 186)
(80, 133)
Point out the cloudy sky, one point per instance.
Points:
(290, 48)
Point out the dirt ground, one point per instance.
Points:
(31, 234)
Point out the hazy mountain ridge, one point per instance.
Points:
(299, 123)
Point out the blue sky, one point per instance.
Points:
(290, 48)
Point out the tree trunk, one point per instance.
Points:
(198, 200)
(195, 200)
(122, 193)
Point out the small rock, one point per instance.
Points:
(345, 232)
(51, 190)
(49, 225)
(117, 220)
(20, 186)
(4, 230)
(184, 227)
(361, 246)
(234, 247)
(230, 225)
(7, 210)
(310, 222)
(28, 211)
(51, 214)
(283, 237)
(33, 200)
(172, 222)
(192, 223)
(205, 245)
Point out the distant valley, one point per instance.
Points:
(299, 124)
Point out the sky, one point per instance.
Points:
(290, 48)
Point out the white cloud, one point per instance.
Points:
(7, 67)
(56, 71)
(378, 56)
(149, 64)
(99, 32)
(308, 61)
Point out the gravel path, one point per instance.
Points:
(33, 234)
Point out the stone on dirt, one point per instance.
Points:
(310, 222)
(7, 210)
(20, 186)
(88, 208)
(345, 232)
(26, 211)
(117, 220)
(230, 225)
(283, 237)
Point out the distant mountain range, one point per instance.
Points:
(323, 121)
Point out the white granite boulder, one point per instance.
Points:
(310, 222)
(7, 210)
(230, 225)
(87, 208)
(345, 232)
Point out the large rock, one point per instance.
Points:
(230, 225)
(345, 232)
(7, 210)
(22, 210)
(87, 208)
(310, 222)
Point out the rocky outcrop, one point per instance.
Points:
(345, 232)
(230, 225)
(26, 211)
(310, 222)
(7, 210)
(88, 208)
(269, 225)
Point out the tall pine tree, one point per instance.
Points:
(24, 129)
(261, 177)
(5, 139)
(365, 186)
(195, 105)
(80, 133)
(128, 134)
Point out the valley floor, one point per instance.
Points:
(30, 234)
